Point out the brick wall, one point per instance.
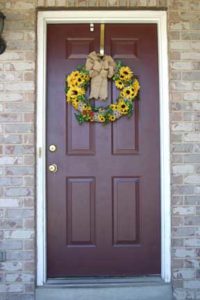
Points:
(17, 141)
(184, 45)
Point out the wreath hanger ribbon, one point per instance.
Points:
(100, 69)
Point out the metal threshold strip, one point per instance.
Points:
(104, 281)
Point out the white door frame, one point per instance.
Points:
(99, 16)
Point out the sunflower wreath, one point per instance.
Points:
(77, 83)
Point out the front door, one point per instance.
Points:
(103, 203)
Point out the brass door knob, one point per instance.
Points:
(53, 168)
(52, 148)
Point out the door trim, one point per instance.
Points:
(108, 16)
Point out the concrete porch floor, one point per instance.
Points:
(149, 288)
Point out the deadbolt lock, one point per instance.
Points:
(52, 148)
(53, 168)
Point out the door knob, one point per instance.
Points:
(52, 148)
(53, 168)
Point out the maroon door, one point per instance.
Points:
(103, 203)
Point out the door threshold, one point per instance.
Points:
(105, 281)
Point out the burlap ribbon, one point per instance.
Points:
(100, 69)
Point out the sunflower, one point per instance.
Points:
(79, 81)
(84, 106)
(88, 108)
(112, 118)
(75, 73)
(119, 84)
(123, 107)
(71, 79)
(113, 106)
(75, 103)
(68, 99)
(125, 73)
(73, 83)
(85, 77)
(128, 92)
(101, 118)
(136, 87)
(74, 92)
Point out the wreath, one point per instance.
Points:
(77, 83)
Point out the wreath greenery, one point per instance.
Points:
(77, 83)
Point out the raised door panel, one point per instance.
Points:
(126, 211)
(80, 139)
(79, 47)
(124, 47)
(125, 133)
(80, 211)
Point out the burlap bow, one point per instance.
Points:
(99, 69)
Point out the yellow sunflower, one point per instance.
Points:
(75, 103)
(112, 118)
(79, 81)
(72, 77)
(75, 73)
(136, 84)
(128, 92)
(88, 108)
(73, 83)
(84, 106)
(136, 87)
(85, 77)
(68, 99)
(101, 118)
(74, 92)
(113, 106)
(125, 73)
(123, 107)
(119, 84)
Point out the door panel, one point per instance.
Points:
(125, 211)
(76, 145)
(126, 143)
(80, 197)
(103, 204)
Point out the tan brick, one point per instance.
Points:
(9, 202)
(50, 2)
(181, 65)
(10, 160)
(180, 45)
(18, 66)
(60, 3)
(40, 2)
(190, 55)
(22, 86)
(184, 273)
(19, 234)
